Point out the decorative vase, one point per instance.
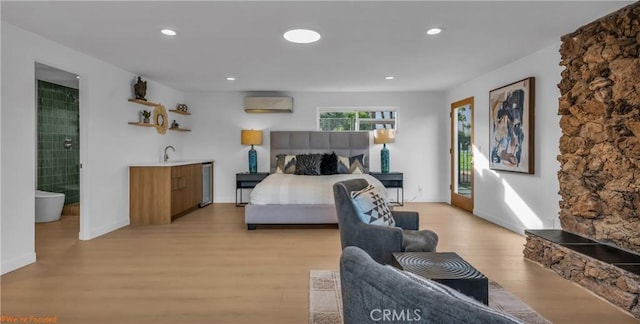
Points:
(384, 159)
(146, 120)
(253, 160)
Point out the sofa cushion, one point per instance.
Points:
(371, 207)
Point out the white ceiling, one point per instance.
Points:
(362, 41)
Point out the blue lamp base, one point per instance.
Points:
(384, 159)
(253, 160)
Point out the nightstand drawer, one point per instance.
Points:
(391, 179)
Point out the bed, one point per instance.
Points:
(305, 199)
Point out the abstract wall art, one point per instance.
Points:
(511, 128)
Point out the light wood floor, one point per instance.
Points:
(206, 268)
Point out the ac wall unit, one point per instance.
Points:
(268, 104)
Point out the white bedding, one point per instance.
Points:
(291, 189)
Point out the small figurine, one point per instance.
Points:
(175, 124)
(140, 89)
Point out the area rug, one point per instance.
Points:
(325, 300)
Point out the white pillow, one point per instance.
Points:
(372, 207)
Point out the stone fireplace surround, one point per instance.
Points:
(599, 159)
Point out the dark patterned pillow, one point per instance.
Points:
(308, 164)
(329, 164)
(371, 206)
(285, 163)
(354, 164)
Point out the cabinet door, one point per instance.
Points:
(195, 186)
(186, 187)
(178, 188)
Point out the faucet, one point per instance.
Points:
(166, 155)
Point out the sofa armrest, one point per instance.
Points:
(408, 220)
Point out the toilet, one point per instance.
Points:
(48, 206)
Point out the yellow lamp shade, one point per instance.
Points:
(251, 137)
(384, 136)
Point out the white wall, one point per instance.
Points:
(420, 151)
(518, 201)
(108, 143)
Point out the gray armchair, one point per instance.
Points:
(369, 289)
(379, 241)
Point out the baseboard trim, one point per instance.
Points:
(18, 262)
(103, 230)
(500, 222)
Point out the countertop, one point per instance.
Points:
(170, 163)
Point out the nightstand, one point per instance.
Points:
(392, 180)
(247, 181)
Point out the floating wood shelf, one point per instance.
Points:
(144, 102)
(142, 124)
(180, 112)
(178, 129)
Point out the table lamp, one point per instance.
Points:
(384, 136)
(252, 137)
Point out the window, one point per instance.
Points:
(357, 119)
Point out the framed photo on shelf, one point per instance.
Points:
(511, 127)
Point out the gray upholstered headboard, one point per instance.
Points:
(301, 142)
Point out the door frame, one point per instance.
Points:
(457, 200)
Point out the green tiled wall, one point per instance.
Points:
(58, 167)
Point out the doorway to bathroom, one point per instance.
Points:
(58, 144)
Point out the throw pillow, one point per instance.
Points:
(343, 165)
(372, 208)
(354, 164)
(329, 164)
(308, 164)
(285, 163)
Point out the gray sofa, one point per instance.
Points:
(375, 293)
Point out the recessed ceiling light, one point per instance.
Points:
(168, 32)
(389, 77)
(231, 79)
(77, 77)
(302, 36)
(434, 31)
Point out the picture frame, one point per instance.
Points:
(511, 127)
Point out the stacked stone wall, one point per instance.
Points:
(599, 157)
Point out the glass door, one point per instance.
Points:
(462, 154)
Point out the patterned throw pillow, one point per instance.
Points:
(329, 164)
(285, 163)
(354, 164)
(308, 164)
(372, 208)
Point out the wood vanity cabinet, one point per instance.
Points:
(157, 195)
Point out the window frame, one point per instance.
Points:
(357, 109)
